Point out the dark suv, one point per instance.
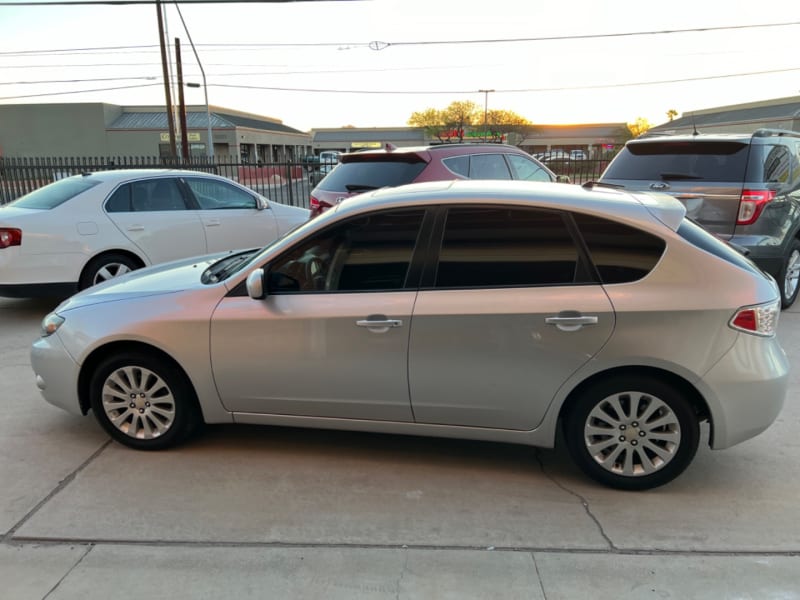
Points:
(369, 170)
(745, 188)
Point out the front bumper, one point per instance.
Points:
(56, 374)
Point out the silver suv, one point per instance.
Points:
(745, 188)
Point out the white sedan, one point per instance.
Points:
(85, 229)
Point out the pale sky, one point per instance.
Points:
(310, 64)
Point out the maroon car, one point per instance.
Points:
(368, 170)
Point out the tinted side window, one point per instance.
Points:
(500, 247)
(364, 254)
(120, 200)
(527, 169)
(769, 163)
(621, 253)
(156, 195)
(683, 160)
(212, 194)
(458, 165)
(488, 166)
(363, 175)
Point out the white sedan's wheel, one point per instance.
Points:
(104, 267)
(109, 271)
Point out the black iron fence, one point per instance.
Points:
(285, 182)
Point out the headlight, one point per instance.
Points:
(51, 323)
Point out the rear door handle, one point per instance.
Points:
(135, 227)
(213, 222)
(571, 323)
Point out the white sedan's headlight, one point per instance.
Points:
(51, 323)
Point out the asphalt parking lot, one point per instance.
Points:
(257, 512)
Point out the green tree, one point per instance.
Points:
(449, 124)
(431, 119)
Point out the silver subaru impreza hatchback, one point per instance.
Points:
(485, 310)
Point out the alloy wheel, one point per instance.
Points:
(138, 402)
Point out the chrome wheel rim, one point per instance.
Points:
(109, 271)
(138, 402)
(792, 274)
(632, 434)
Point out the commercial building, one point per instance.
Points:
(100, 129)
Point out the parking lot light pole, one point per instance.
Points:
(485, 110)
(210, 143)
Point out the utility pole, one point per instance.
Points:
(485, 109)
(165, 70)
(181, 103)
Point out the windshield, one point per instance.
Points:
(50, 196)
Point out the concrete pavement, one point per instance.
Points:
(257, 512)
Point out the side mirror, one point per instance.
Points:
(563, 179)
(261, 203)
(255, 285)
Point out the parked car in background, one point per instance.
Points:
(745, 188)
(88, 228)
(327, 160)
(490, 310)
(373, 169)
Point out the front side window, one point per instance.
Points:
(621, 253)
(526, 169)
(369, 253)
(215, 195)
(503, 247)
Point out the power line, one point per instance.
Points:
(124, 87)
(380, 45)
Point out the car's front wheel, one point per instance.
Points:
(632, 433)
(142, 402)
(789, 280)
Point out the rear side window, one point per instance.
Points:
(769, 163)
(358, 176)
(621, 253)
(701, 238)
(505, 247)
(56, 193)
(681, 161)
(488, 166)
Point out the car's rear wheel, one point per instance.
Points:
(105, 267)
(632, 433)
(142, 402)
(790, 276)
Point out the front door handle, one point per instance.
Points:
(571, 323)
(135, 227)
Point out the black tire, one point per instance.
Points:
(106, 266)
(143, 402)
(789, 279)
(632, 455)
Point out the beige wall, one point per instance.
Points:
(41, 130)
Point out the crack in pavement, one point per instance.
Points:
(402, 574)
(9, 536)
(538, 575)
(583, 500)
(70, 570)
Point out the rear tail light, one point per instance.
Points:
(10, 237)
(751, 204)
(317, 206)
(761, 319)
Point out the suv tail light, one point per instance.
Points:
(10, 237)
(751, 204)
(761, 319)
(317, 206)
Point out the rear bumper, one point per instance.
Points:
(746, 389)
